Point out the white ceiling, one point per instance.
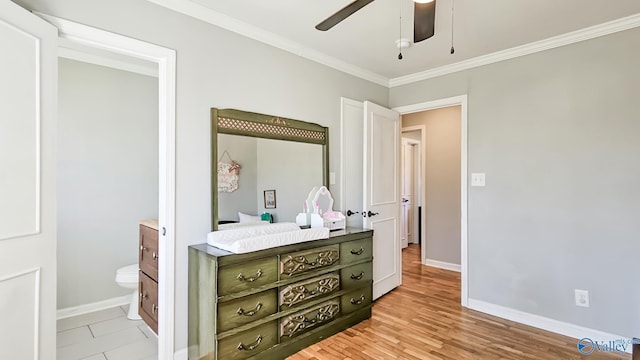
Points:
(365, 42)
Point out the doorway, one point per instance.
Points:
(411, 186)
(166, 64)
(460, 101)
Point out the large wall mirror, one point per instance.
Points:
(274, 153)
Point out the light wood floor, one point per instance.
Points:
(423, 319)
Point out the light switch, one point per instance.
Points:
(332, 178)
(477, 179)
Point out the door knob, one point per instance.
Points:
(370, 214)
(349, 212)
(405, 200)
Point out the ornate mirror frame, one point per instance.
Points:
(244, 123)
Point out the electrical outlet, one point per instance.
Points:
(582, 298)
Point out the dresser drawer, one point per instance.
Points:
(303, 291)
(148, 257)
(249, 343)
(232, 314)
(248, 275)
(302, 262)
(148, 301)
(310, 318)
(353, 251)
(356, 276)
(355, 300)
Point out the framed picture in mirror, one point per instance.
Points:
(269, 199)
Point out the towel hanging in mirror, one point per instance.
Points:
(228, 174)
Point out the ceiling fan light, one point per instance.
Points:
(403, 43)
(423, 1)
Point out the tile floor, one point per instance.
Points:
(105, 335)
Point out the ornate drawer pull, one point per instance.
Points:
(357, 302)
(357, 252)
(250, 279)
(241, 311)
(154, 256)
(154, 308)
(242, 346)
(357, 277)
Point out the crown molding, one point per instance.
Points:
(210, 16)
(592, 32)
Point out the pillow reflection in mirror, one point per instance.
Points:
(248, 218)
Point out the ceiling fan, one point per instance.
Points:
(424, 14)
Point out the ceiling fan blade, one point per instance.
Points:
(342, 14)
(424, 17)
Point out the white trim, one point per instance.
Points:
(442, 265)
(166, 60)
(462, 101)
(213, 17)
(73, 54)
(423, 192)
(544, 323)
(93, 307)
(591, 32)
(182, 354)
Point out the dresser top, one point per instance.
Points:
(152, 223)
(335, 237)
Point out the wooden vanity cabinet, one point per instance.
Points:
(148, 273)
(271, 303)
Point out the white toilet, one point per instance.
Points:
(127, 277)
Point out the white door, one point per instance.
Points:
(28, 69)
(381, 194)
(408, 170)
(351, 146)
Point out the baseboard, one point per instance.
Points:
(544, 323)
(92, 307)
(443, 265)
(182, 354)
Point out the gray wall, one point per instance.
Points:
(441, 181)
(244, 150)
(290, 168)
(217, 68)
(107, 176)
(557, 134)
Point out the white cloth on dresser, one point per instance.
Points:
(254, 238)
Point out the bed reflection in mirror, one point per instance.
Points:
(291, 168)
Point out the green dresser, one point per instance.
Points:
(272, 303)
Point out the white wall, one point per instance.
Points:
(107, 176)
(217, 68)
(556, 133)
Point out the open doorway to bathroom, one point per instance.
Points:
(107, 181)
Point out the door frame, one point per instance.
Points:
(461, 101)
(423, 194)
(166, 60)
(416, 174)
